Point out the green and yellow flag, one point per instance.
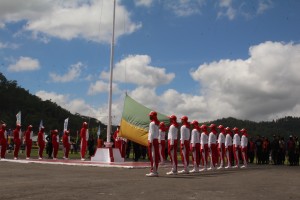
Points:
(135, 121)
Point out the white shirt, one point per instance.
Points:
(236, 140)
(228, 140)
(184, 134)
(161, 135)
(212, 139)
(203, 140)
(221, 139)
(153, 132)
(172, 134)
(195, 137)
(244, 141)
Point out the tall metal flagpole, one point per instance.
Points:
(108, 143)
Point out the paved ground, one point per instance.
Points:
(44, 181)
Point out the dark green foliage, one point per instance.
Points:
(14, 99)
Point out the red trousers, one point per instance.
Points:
(17, 147)
(162, 147)
(153, 152)
(244, 155)
(28, 148)
(236, 154)
(185, 153)
(3, 147)
(172, 151)
(204, 154)
(55, 149)
(228, 155)
(196, 154)
(41, 149)
(222, 153)
(66, 150)
(213, 155)
(83, 148)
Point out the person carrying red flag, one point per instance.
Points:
(172, 144)
(153, 147)
(41, 142)
(28, 141)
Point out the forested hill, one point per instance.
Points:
(14, 99)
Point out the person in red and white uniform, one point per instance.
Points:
(221, 145)
(204, 147)
(66, 144)
(213, 148)
(41, 142)
(228, 147)
(172, 144)
(162, 142)
(117, 139)
(3, 140)
(185, 144)
(17, 140)
(28, 141)
(153, 147)
(236, 146)
(195, 146)
(244, 144)
(84, 139)
(55, 143)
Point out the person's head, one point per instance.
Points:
(184, 119)
(18, 127)
(3, 126)
(227, 129)
(212, 127)
(153, 115)
(195, 123)
(84, 125)
(42, 129)
(173, 118)
(221, 128)
(29, 127)
(203, 127)
(235, 130)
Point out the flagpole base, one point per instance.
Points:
(107, 154)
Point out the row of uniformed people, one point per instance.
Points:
(200, 143)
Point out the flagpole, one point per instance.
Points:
(108, 142)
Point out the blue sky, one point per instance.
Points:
(204, 59)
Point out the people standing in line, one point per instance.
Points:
(153, 147)
(195, 146)
(49, 146)
(259, 152)
(17, 140)
(55, 143)
(66, 143)
(162, 142)
(244, 144)
(212, 146)
(172, 144)
(3, 140)
(228, 147)
(185, 144)
(236, 146)
(221, 145)
(204, 147)
(41, 142)
(83, 142)
(28, 141)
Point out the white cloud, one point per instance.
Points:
(146, 3)
(226, 9)
(82, 107)
(264, 5)
(8, 45)
(91, 20)
(136, 69)
(24, 64)
(101, 86)
(184, 8)
(74, 72)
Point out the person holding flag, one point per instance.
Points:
(41, 141)
(153, 147)
(66, 144)
(83, 136)
(3, 140)
(28, 141)
(17, 140)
